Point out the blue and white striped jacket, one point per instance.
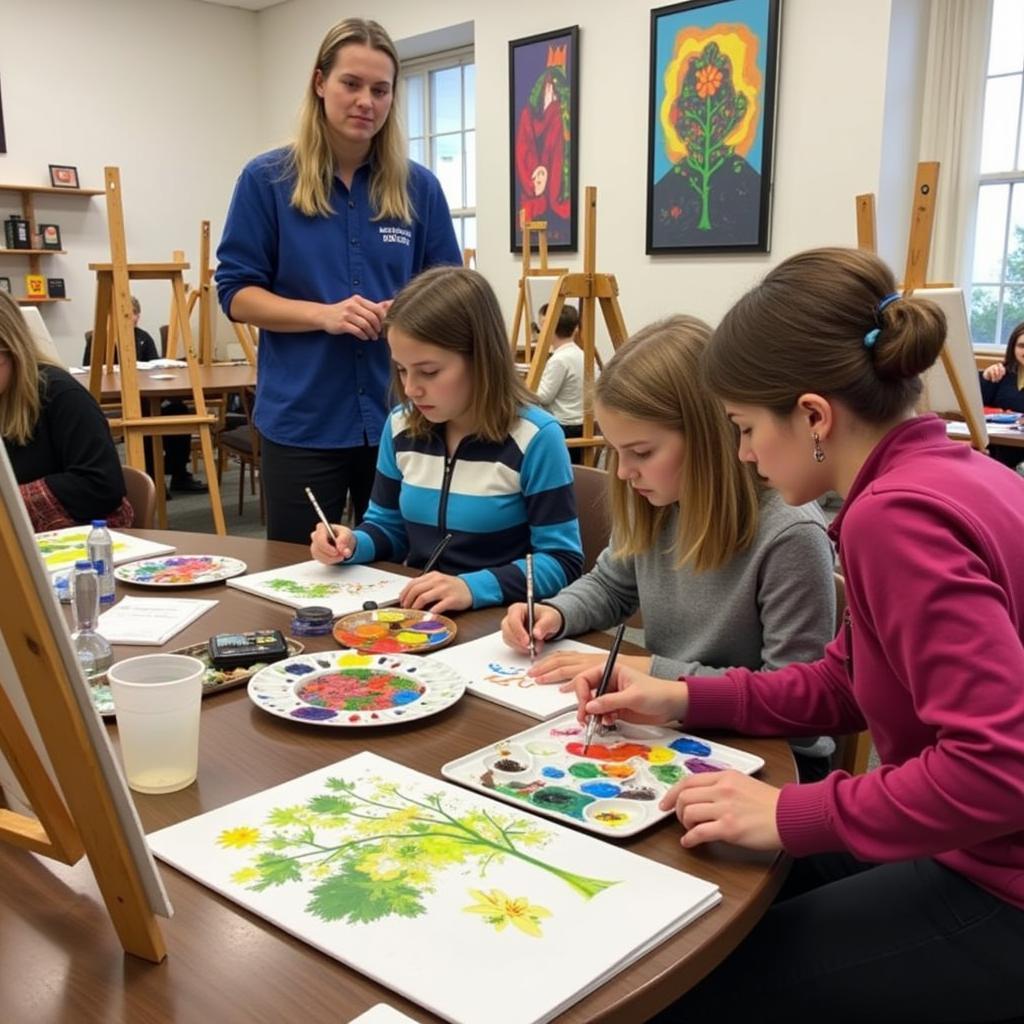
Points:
(499, 500)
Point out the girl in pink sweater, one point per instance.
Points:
(906, 901)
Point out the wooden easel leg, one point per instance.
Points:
(98, 352)
(159, 473)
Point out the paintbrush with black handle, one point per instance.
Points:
(603, 685)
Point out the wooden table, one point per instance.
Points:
(998, 433)
(60, 959)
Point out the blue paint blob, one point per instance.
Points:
(600, 789)
(405, 696)
(299, 669)
(551, 772)
(312, 714)
(688, 745)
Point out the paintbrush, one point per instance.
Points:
(529, 606)
(323, 518)
(603, 685)
(435, 555)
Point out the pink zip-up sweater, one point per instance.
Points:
(931, 539)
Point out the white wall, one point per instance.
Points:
(167, 91)
(833, 73)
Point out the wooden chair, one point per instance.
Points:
(854, 750)
(591, 487)
(142, 496)
(242, 443)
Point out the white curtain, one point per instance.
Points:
(951, 122)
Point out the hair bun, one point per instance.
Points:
(912, 335)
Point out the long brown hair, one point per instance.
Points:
(810, 326)
(20, 401)
(310, 158)
(456, 309)
(655, 377)
(1010, 361)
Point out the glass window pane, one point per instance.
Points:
(999, 131)
(446, 100)
(1006, 50)
(1013, 312)
(469, 232)
(470, 138)
(416, 151)
(984, 310)
(1015, 242)
(414, 105)
(990, 233)
(447, 165)
(469, 90)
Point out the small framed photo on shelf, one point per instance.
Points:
(35, 286)
(49, 236)
(5, 285)
(63, 176)
(55, 288)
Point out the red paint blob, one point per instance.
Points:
(597, 752)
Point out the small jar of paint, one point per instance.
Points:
(313, 620)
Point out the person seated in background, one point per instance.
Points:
(56, 436)
(560, 391)
(1002, 386)
(177, 447)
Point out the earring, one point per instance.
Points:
(819, 454)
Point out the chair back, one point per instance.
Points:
(142, 496)
(591, 487)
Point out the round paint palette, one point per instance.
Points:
(346, 689)
(179, 570)
(394, 631)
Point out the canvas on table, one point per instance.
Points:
(442, 895)
(342, 588)
(60, 549)
(498, 673)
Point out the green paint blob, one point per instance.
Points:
(565, 801)
(667, 773)
(585, 770)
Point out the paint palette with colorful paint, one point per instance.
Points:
(180, 570)
(346, 689)
(395, 631)
(612, 788)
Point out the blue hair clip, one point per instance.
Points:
(871, 337)
(887, 301)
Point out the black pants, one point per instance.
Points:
(848, 941)
(574, 430)
(331, 473)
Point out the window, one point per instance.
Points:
(440, 117)
(997, 275)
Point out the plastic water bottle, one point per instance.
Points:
(93, 650)
(100, 548)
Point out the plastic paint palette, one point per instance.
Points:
(395, 631)
(346, 689)
(613, 791)
(180, 570)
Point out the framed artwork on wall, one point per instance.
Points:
(711, 120)
(543, 75)
(63, 176)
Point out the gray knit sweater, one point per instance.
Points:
(771, 605)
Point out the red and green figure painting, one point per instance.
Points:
(712, 110)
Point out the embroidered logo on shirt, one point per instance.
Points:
(396, 235)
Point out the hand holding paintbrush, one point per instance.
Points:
(331, 544)
(609, 665)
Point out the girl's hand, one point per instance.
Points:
(354, 315)
(727, 806)
(436, 591)
(557, 668)
(631, 696)
(996, 372)
(547, 621)
(323, 549)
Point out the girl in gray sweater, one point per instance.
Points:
(723, 572)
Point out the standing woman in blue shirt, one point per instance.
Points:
(319, 238)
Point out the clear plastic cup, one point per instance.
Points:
(156, 700)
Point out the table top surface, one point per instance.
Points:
(171, 381)
(60, 958)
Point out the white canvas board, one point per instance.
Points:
(939, 395)
(342, 588)
(382, 1014)
(442, 895)
(497, 673)
(60, 549)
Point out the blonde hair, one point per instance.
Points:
(310, 158)
(457, 310)
(20, 401)
(655, 378)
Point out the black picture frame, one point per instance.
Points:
(713, 83)
(3, 134)
(55, 288)
(63, 176)
(5, 285)
(539, 136)
(49, 236)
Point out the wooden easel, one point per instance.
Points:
(113, 303)
(82, 815)
(469, 259)
(524, 300)
(588, 287)
(915, 275)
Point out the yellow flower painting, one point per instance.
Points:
(499, 909)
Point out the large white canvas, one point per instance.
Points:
(445, 896)
(497, 673)
(60, 549)
(342, 588)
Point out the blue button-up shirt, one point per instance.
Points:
(317, 390)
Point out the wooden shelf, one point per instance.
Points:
(33, 252)
(35, 300)
(52, 190)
